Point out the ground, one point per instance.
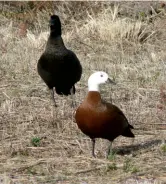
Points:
(42, 144)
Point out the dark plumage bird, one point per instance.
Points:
(99, 119)
(59, 67)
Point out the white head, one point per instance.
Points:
(96, 79)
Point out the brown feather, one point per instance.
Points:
(99, 119)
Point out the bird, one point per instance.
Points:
(58, 66)
(100, 119)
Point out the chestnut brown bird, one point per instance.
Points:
(99, 119)
(58, 66)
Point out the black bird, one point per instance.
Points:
(59, 67)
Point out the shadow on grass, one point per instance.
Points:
(124, 150)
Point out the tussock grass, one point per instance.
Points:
(132, 51)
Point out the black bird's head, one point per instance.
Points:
(55, 25)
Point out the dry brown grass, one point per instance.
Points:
(131, 51)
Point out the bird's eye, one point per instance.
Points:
(101, 75)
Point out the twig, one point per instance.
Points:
(87, 45)
(90, 170)
(39, 148)
(6, 95)
(4, 86)
(35, 97)
(97, 168)
(79, 145)
(30, 165)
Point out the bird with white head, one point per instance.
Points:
(96, 79)
(99, 119)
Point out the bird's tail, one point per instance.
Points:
(65, 90)
(130, 126)
(128, 132)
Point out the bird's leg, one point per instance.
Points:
(93, 147)
(109, 150)
(73, 104)
(52, 96)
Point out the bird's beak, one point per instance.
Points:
(111, 81)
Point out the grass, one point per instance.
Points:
(163, 148)
(128, 166)
(35, 141)
(41, 143)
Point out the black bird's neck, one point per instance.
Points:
(55, 30)
(56, 41)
